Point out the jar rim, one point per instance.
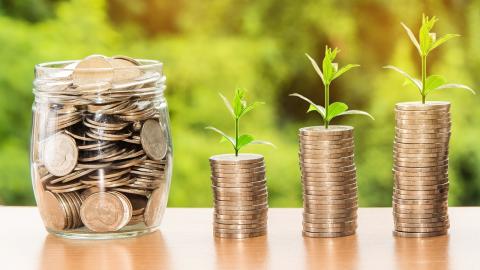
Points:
(62, 65)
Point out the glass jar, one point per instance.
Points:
(101, 149)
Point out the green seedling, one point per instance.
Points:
(428, 42)
(238, 108)
(329, 73)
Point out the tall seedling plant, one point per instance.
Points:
(427, 43)
(327, 74)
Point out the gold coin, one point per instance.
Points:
(327, 235)
(240, 217)
(420, 220)
(399, 225)
(427, 106)
(421, 229)
(320, 131)
(229, 159)
(239, 235)
(124, 68)
(442, 186)
(317, 168)
(53, 212)
(419, 235)
(153, 212)
(237, 166)
(153, 140)
(60, 154)
(105, 212)
(92, 69)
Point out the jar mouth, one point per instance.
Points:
(69, 65)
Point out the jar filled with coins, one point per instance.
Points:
(101, 151)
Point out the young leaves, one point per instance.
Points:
(428, 42)
(329, 73)
(238, 108)
(330, 69)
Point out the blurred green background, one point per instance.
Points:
(217, 45)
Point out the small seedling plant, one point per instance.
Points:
(428, 42)
(238, 108)
(327, 74)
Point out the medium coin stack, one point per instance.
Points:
(100, 144)
(420, 154)
(329, 181)
(240, 195)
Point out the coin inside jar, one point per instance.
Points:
(106, 211)
(60, 154)
(153, 140)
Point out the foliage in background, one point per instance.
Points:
(327, 74)
(238, 108)
(256, 45)
(428, 42)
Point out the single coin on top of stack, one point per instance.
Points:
(240, 195)
(329, 181)
(420, 192)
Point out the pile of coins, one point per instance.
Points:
(100, 145)
(329, 181)
(420, 153)
(240, 195)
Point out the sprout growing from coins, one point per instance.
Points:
(238, 108)
(329, 73)
(428, 42)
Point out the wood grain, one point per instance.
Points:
(185, 242)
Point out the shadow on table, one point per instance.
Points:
(143, 252)
(422, 253)
(331, 253)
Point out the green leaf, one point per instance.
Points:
(225, 136)
(412, 38)
(227, 104)
(244, 140)
(250, 107)
(442, 40)
(432, 82)
(313, 107)
(343, 70)
(357, 112)
(316, 67)
(455, 86)
(426, 40)
(415, 82)
(264, 143)
(239, 102)
(328, 67)
(335, 109)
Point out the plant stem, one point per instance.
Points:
(327, 102)
(424, 77)
(236, 136)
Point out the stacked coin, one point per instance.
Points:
(240, 195)
(329, 181)
(420, 153)
(100, 145)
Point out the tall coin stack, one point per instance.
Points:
(329, 181)
(240, 195)
(420, 153)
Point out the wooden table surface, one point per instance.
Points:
(186, 242)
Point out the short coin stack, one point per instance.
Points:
(420, 153)
(240, 195)
(329, 181)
